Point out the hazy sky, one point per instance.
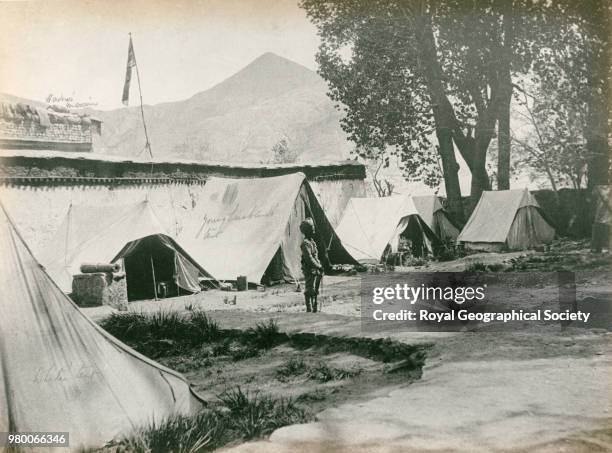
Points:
(79, 48)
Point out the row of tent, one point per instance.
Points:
(507, 219)
(57, 366)
(250, 227)
(243, 227)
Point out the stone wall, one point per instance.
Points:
(56, 132)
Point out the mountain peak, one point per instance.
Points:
(267, 75)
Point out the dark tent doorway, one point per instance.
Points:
(157, 267)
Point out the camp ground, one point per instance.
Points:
(129, 234)
(436, 217)
(250, 228)
(60, 371)
(372, 227)
(506, 219)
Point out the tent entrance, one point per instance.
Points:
(413, 238)
(150, 269)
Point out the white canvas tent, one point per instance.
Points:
(435, 216)
(369, 225)
(250, 227)
(509, 219)
(95, 234)
(60, 372)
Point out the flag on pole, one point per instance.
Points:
(131, 62)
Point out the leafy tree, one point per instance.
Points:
(556, 146)
(573, 71)
(406, 70)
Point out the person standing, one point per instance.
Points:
(311, 265)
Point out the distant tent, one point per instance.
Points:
(509, 219)
(60, 372)
(250, 227)
(95, 234)
(369, 226)
(436, 217)
(156, 264)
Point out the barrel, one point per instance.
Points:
(90, 268)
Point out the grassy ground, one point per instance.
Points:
(254, 380)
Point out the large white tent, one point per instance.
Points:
(60, 372)
(509, 219)
(96, 234)
(250, 227)
(369, 225)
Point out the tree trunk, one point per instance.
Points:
(478, 166)
(442, 112)
(503, 149)
(450, 168)
(505, 92)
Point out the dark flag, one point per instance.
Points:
(131, 62)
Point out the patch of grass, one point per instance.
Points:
(292, 367)
(264, 335)
(205, 431)
(319, 371)
(254, 415)
(126, 326)
(244, 416)
(203, 327)
(323, 373)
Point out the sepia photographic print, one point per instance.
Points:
(278, 226)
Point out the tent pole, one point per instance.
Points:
(154, 282)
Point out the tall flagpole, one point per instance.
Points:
(144, 124)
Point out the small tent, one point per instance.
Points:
(369, 226)
(60, 372)
(251, 228)
(506, 219)
(95, 234)
(436, 217)
(156, 265)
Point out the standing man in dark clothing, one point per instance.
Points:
(311, 266)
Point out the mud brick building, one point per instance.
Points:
(25, 126)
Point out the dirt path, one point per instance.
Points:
(469, 406)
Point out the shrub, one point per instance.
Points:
(264, 335)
